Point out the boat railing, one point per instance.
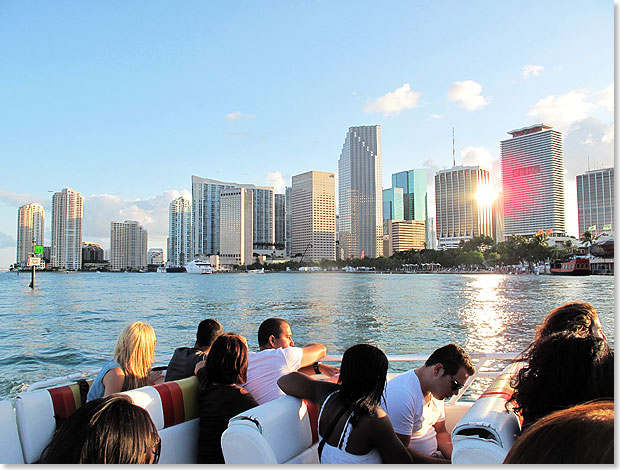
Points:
(481, 361)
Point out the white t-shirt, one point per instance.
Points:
(266, 367)
(410, 414)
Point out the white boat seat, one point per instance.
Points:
(10, 446)
(272, 433)
(173, 407)
(37, 413)
(487, 431)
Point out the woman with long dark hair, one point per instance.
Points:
(562, 370)
(352, 427)
(105, 430)
(220, 397)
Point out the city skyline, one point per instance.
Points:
(124, 103)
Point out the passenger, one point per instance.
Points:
(106, 430)
(353, 429)
(220, 397)
(583, 434)
(184, 360)
(577, 317)
(131, 367)
(414, 401)
(562, 370)
(279, 356)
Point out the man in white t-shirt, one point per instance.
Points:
(414, 400)
(278, 356)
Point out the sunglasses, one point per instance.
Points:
(455, 385)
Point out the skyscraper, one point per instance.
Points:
(413, 184)
(128, 246)
(533, 181)
(30, 226)
(236, 234)
(460, 214)
(180, 232)
(288, 230)
(314, 215)
(359, 193)
(67, 230)
(406, 235)
(393, 204)
(280, 219)
(595, 200)
(206, 214)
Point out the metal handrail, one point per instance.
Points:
(482, 360)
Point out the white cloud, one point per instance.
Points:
(19, 199)
(151, 213)
(564, 111)
(606, 98)
(394, 101)
(467, 93)
(238, 115)
(436, 116)
(589, 140)
(276, 180)
(477, 156)
(608, 137)
(531, 70)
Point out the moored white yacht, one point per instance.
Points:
(199, 266)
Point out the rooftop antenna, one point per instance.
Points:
(453, 159)
(588, 162)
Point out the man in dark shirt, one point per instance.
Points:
(184, 360)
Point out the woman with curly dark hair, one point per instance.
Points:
(577, 317)
(562, 370)
(352, 427)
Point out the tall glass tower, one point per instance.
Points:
(360, 199)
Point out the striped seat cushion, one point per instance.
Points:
(67, 399)
(179, 400)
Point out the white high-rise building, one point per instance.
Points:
(533, 181)
(206, 214)
(460, 215)
(30, 227)
(360, 193)
(314, 215)
(67, 230)
(128, 246)
(595, 201)
(180, 232)
(236, 234)
(288, 230)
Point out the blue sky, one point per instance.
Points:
(124, 101)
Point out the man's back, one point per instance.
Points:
(266, 367)
(183, 362)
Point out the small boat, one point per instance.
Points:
(571, 267)
(199, 266)
(256, 271)
(161, 269)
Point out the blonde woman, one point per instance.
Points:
(131, 367)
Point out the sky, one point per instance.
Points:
(125, 101)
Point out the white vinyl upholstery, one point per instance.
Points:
(10, 447)
(284, 435)
(179, 443)
(485, 434)
(148, 398)
(36, 424)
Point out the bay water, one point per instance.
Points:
(70, 321)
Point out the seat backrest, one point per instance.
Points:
(487, 431)
(37, 414)
(173, 407)
(275, 432)
(10, 447)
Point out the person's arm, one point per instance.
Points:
(155, 377)
(113, 381)
(325, 369)
(311, 353)
(385, 440)
(419, 457)
(301, 386)
(444, 441)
